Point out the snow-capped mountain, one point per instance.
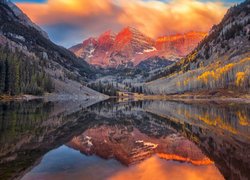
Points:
(112, 50)
(95, 50)
(130, 46)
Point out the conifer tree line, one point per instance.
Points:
(18, 75)
(137, 89)
(133, 88)
(108, 89)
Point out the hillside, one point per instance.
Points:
(36, 58)
(221, 60)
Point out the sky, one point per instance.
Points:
(69, 22)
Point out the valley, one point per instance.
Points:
(208, 65)
(120, 90)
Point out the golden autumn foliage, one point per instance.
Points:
(216, 74)
(217, 120)
(234, 75)
(223, 74)
(243, 119)
(178, 84)
(240, 78)
(206, 76)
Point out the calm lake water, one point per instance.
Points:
(118, 140)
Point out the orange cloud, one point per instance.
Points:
(157, 18)
(152, 17)
(55, 11)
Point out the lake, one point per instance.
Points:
(121, 139)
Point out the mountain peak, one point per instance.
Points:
(106, 36)
(90, 40)
(131, 30)
(128, 32)
(134, 39)
(124, 36)
(107, 33)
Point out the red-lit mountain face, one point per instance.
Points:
(180, 44)
(130, 46)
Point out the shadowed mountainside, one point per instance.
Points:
(21, 37)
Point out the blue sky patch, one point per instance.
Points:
(30, 1)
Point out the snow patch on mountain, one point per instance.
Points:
(149, 50)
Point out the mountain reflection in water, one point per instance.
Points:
(79, 166)
(124, 140)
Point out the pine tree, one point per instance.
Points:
(2, 76)
(19, 75)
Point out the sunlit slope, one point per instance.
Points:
(221, 60)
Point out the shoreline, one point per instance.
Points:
(191, 97)
(198, 99)
(49, 97)
(176, 97)
(24, 97)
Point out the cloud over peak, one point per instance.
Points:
(85, 18)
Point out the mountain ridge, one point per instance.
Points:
(130, 46)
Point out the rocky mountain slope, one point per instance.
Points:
(153, 63)
(19, 34)
(130, 47)
(142, 72)
(221, 60)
